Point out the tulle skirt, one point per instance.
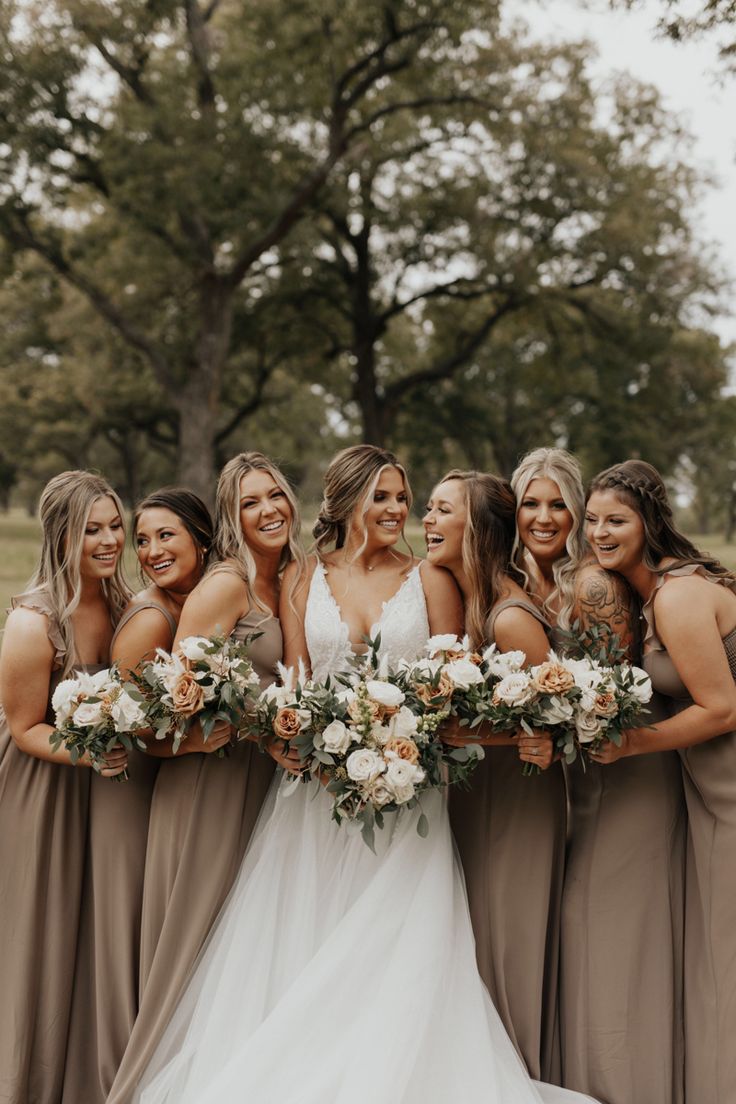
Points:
(336, 974)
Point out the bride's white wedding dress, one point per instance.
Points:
(333, 975)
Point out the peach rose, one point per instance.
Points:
(187, 695)
(605, 704)
(443, 691)
(552, 678)
(286, 724)
(405, 748)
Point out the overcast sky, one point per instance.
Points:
(688, 77)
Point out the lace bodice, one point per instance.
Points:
(403, 625)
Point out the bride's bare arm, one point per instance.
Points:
(444, 601)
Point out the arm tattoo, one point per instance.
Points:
(604, 599)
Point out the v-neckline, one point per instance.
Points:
(384, 607)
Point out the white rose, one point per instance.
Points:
(403, 723)
(501, 664)
(385, 693)
(641, 687)
(167, 669)
(127, 713)
(93, 685)
(514, 689)
(587, 673)
(380, 733)
(363, 765)
(280, 695)
(378, 793)
(588, 727)
(64, 699)
(88, 713)
(463, 673)
(557, 710)
(444, 642)
(401, 778)
(336, 738)
(193, 647)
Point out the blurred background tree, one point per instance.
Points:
(300, 224)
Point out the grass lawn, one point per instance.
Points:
(19, 536)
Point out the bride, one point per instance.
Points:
(334, 974)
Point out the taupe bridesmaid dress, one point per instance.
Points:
(203, 812)
(105, 1000)
(510, 834)
(622, 930)
(43, 825)
(709, 773)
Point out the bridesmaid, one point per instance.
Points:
(172, 533)
(620, 1014)
(63, 621)
(690, 653)
(204, 809)
(506, 823)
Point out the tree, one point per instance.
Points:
(157, 157)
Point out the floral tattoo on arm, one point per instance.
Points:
(605, 600)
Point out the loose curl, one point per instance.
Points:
(488, 538)
(562, 468)
(64, 509)
(229, 544)
(640, 486)
(191, 512)
(349, 485)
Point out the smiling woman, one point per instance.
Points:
(204, 808)
(64, 620)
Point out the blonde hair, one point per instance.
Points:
(63, 510)
(488, 537)
(229, 543)
(563, 469)
(349, 485)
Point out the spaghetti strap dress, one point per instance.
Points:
(510, 834)
(709, 774)
(203, 812)
(105, 1000)
(621, 971)
(43, 826)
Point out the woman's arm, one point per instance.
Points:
(26, 666)
(687, 624)
(604, 599)
(214, 607)
(444, 601)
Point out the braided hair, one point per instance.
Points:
(640, 486)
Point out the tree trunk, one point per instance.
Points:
(198, 399)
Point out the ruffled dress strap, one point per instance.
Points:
(135, 608)
(40, 601)
(651, 642)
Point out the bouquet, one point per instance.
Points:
(612, 697)
(360, 736)
(210, 679)
(93, 713)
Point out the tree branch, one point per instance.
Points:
(21, 235)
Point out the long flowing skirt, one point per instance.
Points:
(336, 974)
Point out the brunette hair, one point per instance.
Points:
(640, 486)
(562, 468)
(229, 542)
(63, 510)
(488, 539)
(190, 510)
(349, 484)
